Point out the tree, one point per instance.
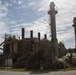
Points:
(21, 62)
(35, 60)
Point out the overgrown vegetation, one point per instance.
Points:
(22, 61)
(74, 63)
(37, 61)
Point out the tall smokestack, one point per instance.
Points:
(31, 34)
(52, 24)
(74, 25)
(23, 33)
(45, 36)
(39, 36)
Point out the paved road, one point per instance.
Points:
(38, 73)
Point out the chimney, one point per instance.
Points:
(39, 36)
(31, 34)
(23, 33)
(74, 25)
(74, 20)
(14, 36)
(45, 36)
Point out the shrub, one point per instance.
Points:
(74, 63)
(1, 62)
(49, 66)
(66, 65)
(54, 66)
(21, 62)
(60, 64)
(34, 62)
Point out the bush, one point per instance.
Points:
(1, 62)
(54, 66)
(21, 62)
(49, 66)
(60, 64)
(74, 63)
(34, 62)
(66, 65)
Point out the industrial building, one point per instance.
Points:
(14, 48)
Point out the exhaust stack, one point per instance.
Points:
(45, 36)
(39, 36)
(31, 34)
(23, 33)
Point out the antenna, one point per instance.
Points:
(10, 32)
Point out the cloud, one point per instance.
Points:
(20, 2)
(3, 8)
(31, 3)
(3, 14)
(66, 12)
(39, 25)
(66, 35)
(2, 28)
(64, 19)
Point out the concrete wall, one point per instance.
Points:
(15, 47)
(8, 63)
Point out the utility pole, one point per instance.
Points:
(52, 24)
(74, 25)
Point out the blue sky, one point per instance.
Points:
(32, 15)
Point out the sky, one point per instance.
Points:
(33, 15)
